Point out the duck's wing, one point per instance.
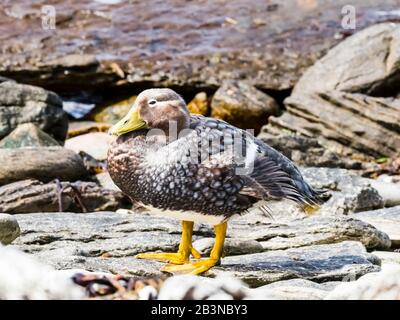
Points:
(266, 173)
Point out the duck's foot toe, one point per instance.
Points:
(196, 267)
(170, 257)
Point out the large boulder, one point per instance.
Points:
(42, 163)
(21, 103)
(349, 98)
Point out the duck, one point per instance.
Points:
(198, 170)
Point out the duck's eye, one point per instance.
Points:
(152, 102)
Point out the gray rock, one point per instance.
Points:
(32, 195)
(348, 99)
(101, 241)
(41, 163)
(86, 227)
(349, 192)
(384, 285)
(311, 231)
(21, 103)
(9, 228)
(24, 278)
(321, 263)
(27, 135)
(295, 289)
(387, 220)
(232, 247)
(107, 242)
(305, 151)
(242, 105)
(357, 64)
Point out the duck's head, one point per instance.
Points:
(154, 109)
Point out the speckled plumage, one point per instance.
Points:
(168, 176)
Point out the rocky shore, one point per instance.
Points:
(325, 98)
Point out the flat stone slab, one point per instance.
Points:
(108, 241)
(387, 220)
(274, 235)
(320, 263)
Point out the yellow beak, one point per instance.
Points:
(131, 122)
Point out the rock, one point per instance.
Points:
(384, 285)
(321, 263)
(362, 134)
(25, 278)
(242, 105)
(388, 257)
(107, 242)
(27, 135)
(232, 246)
(77, 128)
(35, 196)
(96, 144)
(42, 163)
(346, 67)
(386, 220)
(9, 228)
(389, 191)
(349, 192)
(345, 104)
(188, 287)
(306, 151)
(20, 103)
(310, 231)
(272, 52)
(295, 289)
(106, 182)
(101, 241)
(199, 104)
(114, 112)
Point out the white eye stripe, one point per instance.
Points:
(152, 102)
